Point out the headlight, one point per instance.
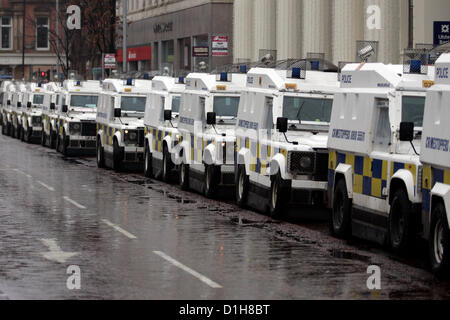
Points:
(74, 127)
(224, 144)
(301, 162)
(36, 120)
(305, 162)
(130, 136)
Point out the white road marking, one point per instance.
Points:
(45, 186)
(76, 204)
(55, 253)
(117, 228)
(20, 171)
(178, 264)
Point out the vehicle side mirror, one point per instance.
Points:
(52, 106)
(282, 124)
(19, 104)
(117, 113)
(29, 104)
(64, 108)
(211, 118)
(167, 115)
(8, 102)
(407, 131)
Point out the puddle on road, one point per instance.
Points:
(342, 254)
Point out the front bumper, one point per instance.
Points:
(132, 154)
(308, 192)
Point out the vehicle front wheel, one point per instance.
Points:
(340, 220)
(211, 180)
(100, 155)
(400, 223)
(148, 169)
(52, 139)
(167, 165)
(184, 176)
(43, 137)
(64, 143)
(439, 242)
(242, 186)
(117, 159)
(279, 196)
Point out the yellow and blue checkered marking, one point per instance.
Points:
(369, 175)
(108, 133)
(430, 177)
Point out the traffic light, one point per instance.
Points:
(48, 75)
(43, 74)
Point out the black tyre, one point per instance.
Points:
(22, 134)
(279, 196)
(400, 222)
(117, 157)
(211, 180)
(64, 143)
(58, 142)
(43, 137)
(439, 242)
(242, 186)
(8, 129)
(52, 138)
(100, 155)
(340, 220)
(148, 163)
(167, 165)
(184, 176)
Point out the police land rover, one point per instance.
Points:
(50, 117)
(161, 133)
(374, 174)
(7, 90)
(435, 156)
(205, 155)
(120, 123)
(32, 112)
(16, 110)
(278, 166)
(76, 126)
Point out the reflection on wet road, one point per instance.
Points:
(135, 238)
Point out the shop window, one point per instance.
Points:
(42, 29)
(5, 33)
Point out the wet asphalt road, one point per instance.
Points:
(135, 238)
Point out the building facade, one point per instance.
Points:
(177, 36)
(40, 20)
(334, 28)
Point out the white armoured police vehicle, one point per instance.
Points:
(286, 163)
(161, 133)
(435, 157)
(120, 123)
(7, 89)
(205, 155)
(76, 125)
(32, 112)
(374, 175)
(16, 110)
(50, 117)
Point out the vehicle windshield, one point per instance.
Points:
(133, 104)
(176, 104)
(85, 101)
(226, 106)
(413, 110)
(38, 99)
(307, 109)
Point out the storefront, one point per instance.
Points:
(182, 38)
(138, 58)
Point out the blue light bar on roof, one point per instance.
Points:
(146, 76)
(129, 82)
(315, 65)
(415, 66)
(181, 80)
(243, 69)
(223, 76)
(78, 83)
(296, 72)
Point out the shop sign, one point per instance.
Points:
(219, 46)
(200, 51)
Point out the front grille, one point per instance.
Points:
(141, 137)
(88, 129)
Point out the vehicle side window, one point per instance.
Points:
(268, 115)
(202, 111)
(383, 129)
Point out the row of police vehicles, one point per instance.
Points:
(370, 144)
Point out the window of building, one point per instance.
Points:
(42, 29)
(5, 33)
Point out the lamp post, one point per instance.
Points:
(124, 33)
(23, 41)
